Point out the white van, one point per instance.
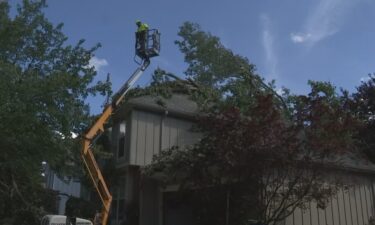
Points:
(62, 220)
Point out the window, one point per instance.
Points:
(118, 204)
(121, 140)
(114, 210)
(121, 147)
(121, 209)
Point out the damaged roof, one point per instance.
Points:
(179, 105)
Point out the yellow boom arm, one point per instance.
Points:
(95, 130)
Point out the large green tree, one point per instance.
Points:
(261, 154)
(43, 86)
(229, 78)
(364, 105)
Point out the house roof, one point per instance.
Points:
(353, 163)
(179, 105)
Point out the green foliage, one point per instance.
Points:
(210, 63)
(330, 127)
(43, 85)
(228, 78)
(363, 105)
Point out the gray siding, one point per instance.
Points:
(66, 188)
(150, 132)
(352, 206)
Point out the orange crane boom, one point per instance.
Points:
(150, 47)
(94, 132)
(92, 166)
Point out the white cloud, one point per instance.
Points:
(324, 20)
(268, 45)
(97, 63)
(364, 79)
(299, 38)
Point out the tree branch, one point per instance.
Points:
(15, 187)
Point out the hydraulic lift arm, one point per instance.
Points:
(93, 134)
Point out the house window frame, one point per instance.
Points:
(121, 140)
(119, 194)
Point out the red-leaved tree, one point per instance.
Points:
(261, 155)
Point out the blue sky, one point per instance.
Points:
(291, 41)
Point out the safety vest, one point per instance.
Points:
(143, 27)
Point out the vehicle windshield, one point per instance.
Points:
(45, 221)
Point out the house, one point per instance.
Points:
(142, 128)
(65, 187)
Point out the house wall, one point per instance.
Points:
(151, 132)
(146, 133)
(66, 188)
(150, 203)
(353, 206)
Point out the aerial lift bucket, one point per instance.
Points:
(151, 46)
